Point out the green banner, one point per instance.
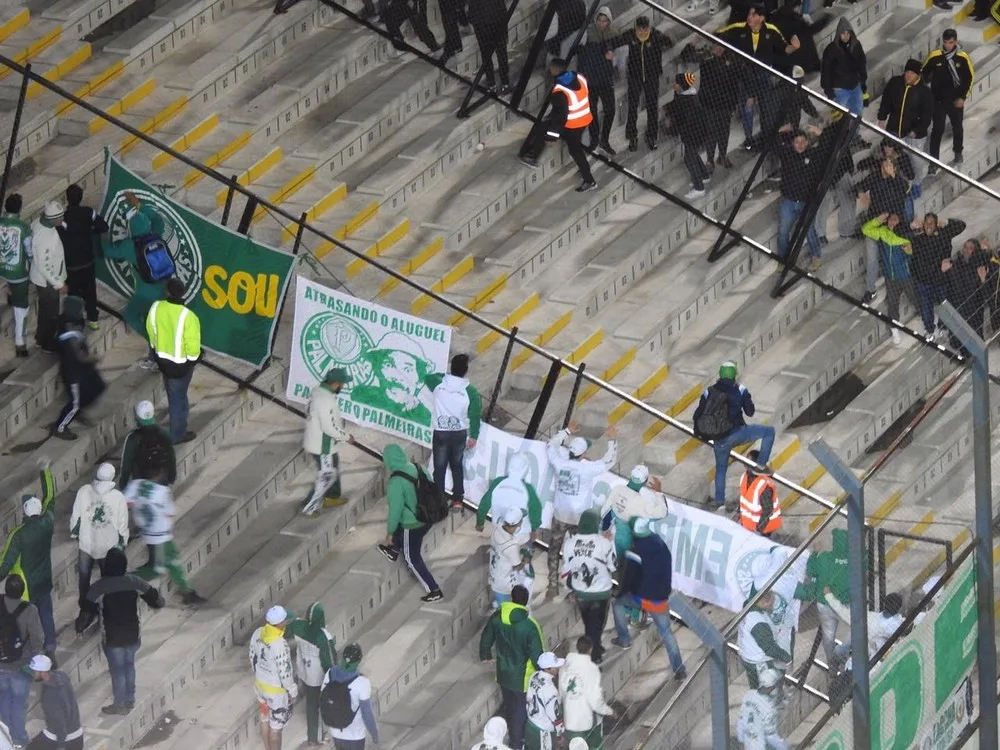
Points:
(234, 285)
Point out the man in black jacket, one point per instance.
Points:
(950, 74)
(844, 72)
(489, 22)
(646, 46)
(570, 90)
(800, 169)
(967, 289)
(690, 120)
(597, 63)
(907, 110)
(719, 97)
(931, 243)
(394, 13)
(80, 230)
(117, 594)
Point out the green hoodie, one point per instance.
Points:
(400, 493)
(28, 551)
(316, 648)
(519, 643)
(141, 222)
(827, 569)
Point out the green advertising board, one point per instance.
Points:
(921, 693)
(234, 285)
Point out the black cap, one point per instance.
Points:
(912, 66)
(949, 34)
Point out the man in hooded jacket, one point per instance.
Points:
(322, 438)
(100, 522)
(844, 71)
(494, 734)
(582, 695)
(513, 490)
(596, 60)
(489, 22)
(48, 273)
(28, 553)
(315, 654)
(456, 420)
(117, 595)
(575, 476)
(359, 689)
(519, 644)
(827, 569)
(510, 557)
(589, 564)
(404, 533)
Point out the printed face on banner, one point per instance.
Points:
(388, 355)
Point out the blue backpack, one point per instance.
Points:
(152, 259)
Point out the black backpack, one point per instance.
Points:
(432, 506)
(152, 454)
(335, 704)
(714, 422)
(11, 642)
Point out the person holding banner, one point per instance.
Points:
(323, 435)
(575, 477)
(457, 417)
(640, 498)
(512, 491)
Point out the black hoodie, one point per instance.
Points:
(844, 65)
(120, 592)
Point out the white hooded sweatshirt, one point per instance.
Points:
(102, 515)
(505, 554)
(493, 735)
(582, 693)
(324, 426)
(575, 478)
(452, 398)
(48, 266)
(511, 492)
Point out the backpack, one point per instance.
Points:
(11, 642)
(432, 506)
(152, 454)
(152, 258)
(335, 704)
(714, 421)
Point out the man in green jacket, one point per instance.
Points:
(823, 569)
(404, 533)
(28, 553)
(147, 449)
(315, 653)
(519, 643)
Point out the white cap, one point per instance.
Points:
(276, 615)
(513, 516)
(105, 472)
(548, 660)
(578, 743)
(144, 411)
(768, 678)
(578, 446)
(32, 507)
(40, 663)
(639, 474)
(53, 210)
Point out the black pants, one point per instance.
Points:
(534, 144)
(649, 90)
(717, 122)
(492, 40)
(600, 128)
(696, 168)
(41, 742)
(451, 15)
(78, 397)
(396, 12)
(947, 110)
(594, 613)
(48, 317)
(515, 711)
(82, 283)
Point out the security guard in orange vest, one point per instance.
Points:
(569, 116)
(760, 510)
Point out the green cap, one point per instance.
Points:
(728, 370)
(337, 375)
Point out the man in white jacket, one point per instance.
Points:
(757, 726)
(494, 735)
(510, 556)
(545, 722)
(48, 273)
(575, 477)
(456, 421)
(582, 695)
(273, 681)
(589, 564)
(881, 625)
(100, 522)
(323, 435)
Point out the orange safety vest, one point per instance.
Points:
(579, 104)
(750, 510)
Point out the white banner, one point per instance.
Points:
(715, 560)
(387, 353)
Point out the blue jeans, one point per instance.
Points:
(177, 403)
(448, 449)
(747, 433)
(929, 295)
(15, 687)
(788, 212)
(44, 604)
(121, 664)
(619, 609)
(853, 99)
(499, 598)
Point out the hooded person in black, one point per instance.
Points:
(78, 368)
(646, 46)
(931, 243)
(967, 288)
(690, 119)
(80, 232)
(844, 71)
(116, 596)
(719, 97)
(489, 22)
(598, 67)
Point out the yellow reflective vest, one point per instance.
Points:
(175, 335)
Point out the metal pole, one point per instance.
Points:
(229, 201)
(859, 610)
(500, 374)
(247, 218)
(986, 645)
(9, 161)
(299, 233)
(882, 584)
(572, 397)
(543, 400)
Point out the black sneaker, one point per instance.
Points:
(957, 160)
(621, 644)
(633, 144)
(653, 145)
(114, 710)
(434, 596)
(187, 437)
(527, 162)
(388, 552)
(681, 674)
(193, 597)
(586, 185)
(723, 161)
(21, 351)
(83, 621)
(606, 148)
(66, 434)
(869, 297)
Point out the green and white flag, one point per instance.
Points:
(387, 353)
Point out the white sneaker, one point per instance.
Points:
(896, 338)
(694, 193)
(807, 18)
